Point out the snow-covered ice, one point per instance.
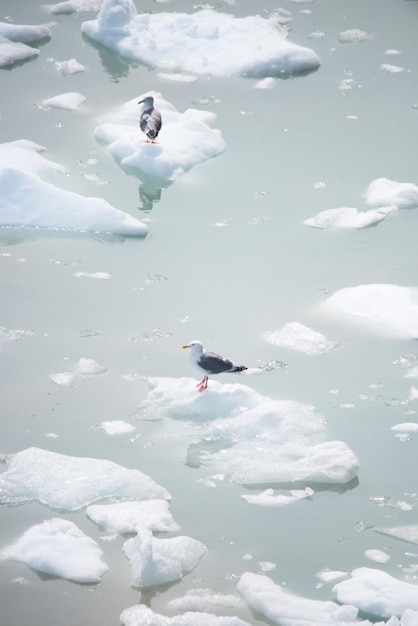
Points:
(216, 43)
(139, 615)
(203, 600)
(392, 307)
(68, 483)
(408, 533)
(284, 608)
(126, 517)
(269, 498)
(27, 200)
(72, 66)
(116, 427)
(65, 379)
(265, 441)
(69, 101)
(14, 39)
(57, 547)
(377, 593)
(157, 561)
(379, 556)
(185, 140)
(299, 337)
(384, 192)
(346, 217)
(13, 51)
(89, 367)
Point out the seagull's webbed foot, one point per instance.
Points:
(202, 385)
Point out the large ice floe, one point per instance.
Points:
(377, 593)
(284, 608)
(185, 140)
(257, 441)
(57, 547)
(67, 483)
(385, 192)
(28, 201)
(14, 39)
(204, 43)
(139, 615)
(392, 307)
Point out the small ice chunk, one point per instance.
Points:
(62, 378)
(379, 556)
(284, 608)
(392, 69)
(330, 575)
(59, 548)
(69, 67)
(412, 372)
(95, 275)
(405, 427)
(87, 367)
(67, 483)
(391, 306)
(24, 33)
(268, 498)
(69, 101)
(413, 394)
(74, 6)
(353, 35)
(299, 337)
(177, 77)
(157, 561)
(265, 83)
(346, 217)
(139, 615)
(204, 600)
(125, 517)
(14, 51)
(117, 427)
(377, 593)
(407, 533)
(383, 192)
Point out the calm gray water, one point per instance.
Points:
(224, 285)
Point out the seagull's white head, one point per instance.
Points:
(148, 102)
(195, 347)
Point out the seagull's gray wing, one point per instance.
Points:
(213, 363)
(150, 123)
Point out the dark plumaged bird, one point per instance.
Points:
(150, 120)
(210, 363)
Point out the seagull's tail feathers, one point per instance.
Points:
(238, 368)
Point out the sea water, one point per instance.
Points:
(227, 260)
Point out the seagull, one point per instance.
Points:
(210, 363)
(150, 120)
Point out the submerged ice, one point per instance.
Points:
(216, 43)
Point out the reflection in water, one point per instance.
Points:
(148, 194)
(114, 65)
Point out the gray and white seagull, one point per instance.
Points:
(150, 120)
(210, 363)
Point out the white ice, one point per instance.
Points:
(284, 608)
(125, 517)
(265, 440)
(265, 83)
(377, 593)
(379, 556)
(116, 427)
(330, 575)
(139, 615)
(14, 39)
(299, 337)
(203, 600)
(69, 101)
(65, 379)
(57, 547)
(407, 533)
(345, 217)
(216, 43)
(353, 35)
(405, 427)
(27, 200)
(68, 483)
(269, 498)
(72, 66)
(73, 6)
(157, 561)
(384, 192)
(88, 367)
(185, 140)
(12, 52)
(392, 307)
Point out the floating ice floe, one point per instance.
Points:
(89, 367)
(405, 427)
(13, 334)
(57, 547)
(216, 43)
(353, 35)
(408, 533)
(269, 498)
(384, 192)
(391, 69)
(330, 575)
(204, 600)
(69, 101)
(74, 6)
(26, 200)
(377, 593)
(69, 67)
(284, 608)
(65, 379)
(185, 140)
(139, 614)
(265, 83)
(117, 427)
(126, 517)
(391, 306)
(345, 217)
(379, 556)
(259, 440)
(68, 483)
(14, 39)
(157, 561)
(299, 337)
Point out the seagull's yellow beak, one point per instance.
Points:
(140, 102)
(185, 347)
